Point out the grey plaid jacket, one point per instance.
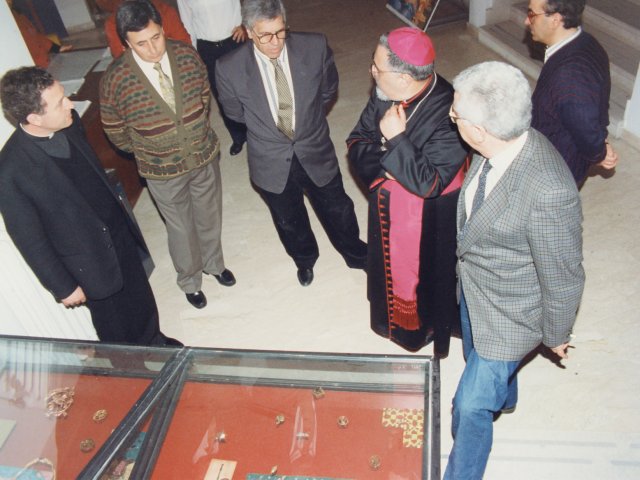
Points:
(520, 258)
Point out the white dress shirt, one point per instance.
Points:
(499, 165)
(554, 48)
(268, 74)
(211, 20)
(151, 73)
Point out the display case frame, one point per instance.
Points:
(194, 395)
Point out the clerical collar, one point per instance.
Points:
(35, 137)
(55, 144)
(406, 103)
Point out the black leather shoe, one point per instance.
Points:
(305, 276)
(236, 148)
(197, 299)
(226, 278)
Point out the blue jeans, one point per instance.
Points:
(486, 387)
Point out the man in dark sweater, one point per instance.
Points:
(64, 217)
(571, 99)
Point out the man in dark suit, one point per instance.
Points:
(519, 253)
(571, 99)
(281, 85)
(65, 218)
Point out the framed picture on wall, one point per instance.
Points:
(413, 12)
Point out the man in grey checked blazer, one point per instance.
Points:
(519, 253)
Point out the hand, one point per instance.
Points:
(561, 350)
(239, 34)
(76, 298)
(393, 122)
(66, 48)
(611, 159)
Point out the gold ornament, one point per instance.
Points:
(343, 422)
(318, 393)
(87, 445)
(58, 401)
(99, 416)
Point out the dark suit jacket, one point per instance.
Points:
(520, 258)
(243, 98)
(571, 103)
(58, 233)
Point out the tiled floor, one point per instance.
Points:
(579, 420)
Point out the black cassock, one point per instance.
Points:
(424, 160)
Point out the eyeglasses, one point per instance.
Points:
(531, 14)
(373, 68)
(267, 37)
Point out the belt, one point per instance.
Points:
(218, 43)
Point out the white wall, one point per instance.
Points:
(26, 308)
(16, 56)
(632, 113)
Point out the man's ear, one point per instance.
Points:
(478, 134)
(557, 20)
(34, 119)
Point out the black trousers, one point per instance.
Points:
(210, 52)
(130, 315)
(334, 209)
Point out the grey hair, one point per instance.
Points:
(399, 65)
(496, 96)
(256, 10)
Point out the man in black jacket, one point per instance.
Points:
(64, 217)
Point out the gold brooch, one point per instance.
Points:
(58, 401)
(87, 445)
(99, 416)
(318, 393)
(343, 422)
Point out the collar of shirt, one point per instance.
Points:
(267, 73)
(554, 48)
(151, 73)
(499, 164)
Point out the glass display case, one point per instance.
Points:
(96, 411)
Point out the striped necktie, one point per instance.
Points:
(165, 87)
(285, 102)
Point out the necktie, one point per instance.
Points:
(285, 103)
(478, 198)
(165, 87)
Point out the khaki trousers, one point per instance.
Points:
(191, 206)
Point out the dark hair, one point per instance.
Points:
(569, 10)
(21, 92)
(135, 15)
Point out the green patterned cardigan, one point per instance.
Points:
(136, 118)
